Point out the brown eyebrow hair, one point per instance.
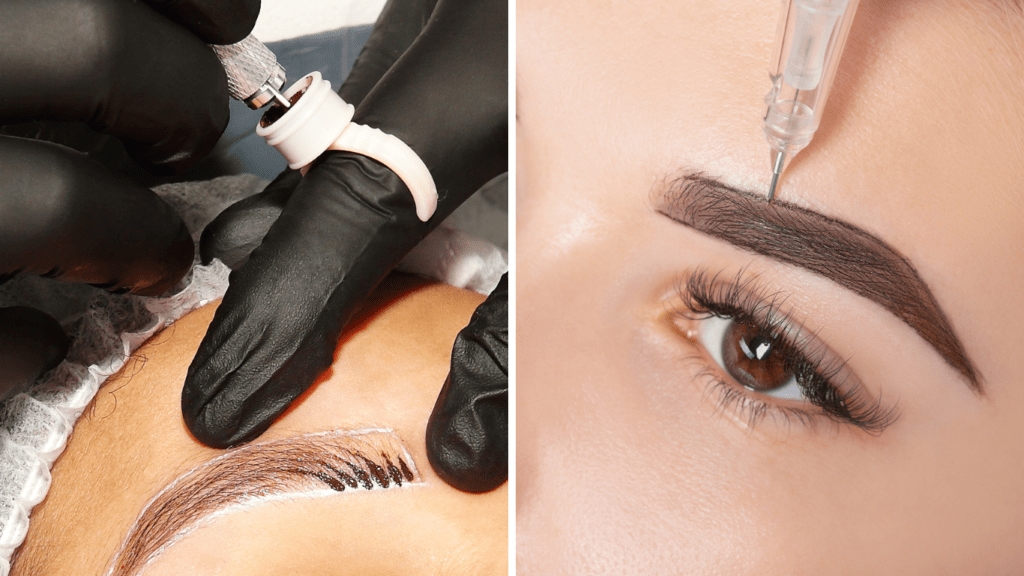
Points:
(837, 250)
(336, 461)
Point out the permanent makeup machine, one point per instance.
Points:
(809, 42)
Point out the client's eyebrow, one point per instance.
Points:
(837, 250)
(311, 465)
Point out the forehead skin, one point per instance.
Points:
(921, 145)
(387, 373)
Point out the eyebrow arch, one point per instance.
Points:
(837, 250)
(320, 464)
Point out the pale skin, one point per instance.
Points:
(387, 373)
(625, 460)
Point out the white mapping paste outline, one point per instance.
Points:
(255, 501)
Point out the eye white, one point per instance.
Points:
(712, 337)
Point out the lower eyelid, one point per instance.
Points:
(727, 399)
(731, 401)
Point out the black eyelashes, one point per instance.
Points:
(821, 375)
(740, 298)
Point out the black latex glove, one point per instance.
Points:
(467, 435)
(350, 220)
(140, 72)
(65, 216)
(238, 230)
(125, 69)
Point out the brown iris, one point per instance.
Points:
(750, 355)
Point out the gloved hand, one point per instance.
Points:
(125, 69)
(65, 216)
(237, 231)
(139, 72)
(350, 219)
(467, 435)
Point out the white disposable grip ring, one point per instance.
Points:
(320, 120)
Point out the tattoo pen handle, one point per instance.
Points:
(254, 75)
(809, 43)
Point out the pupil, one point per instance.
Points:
(747, 352)
(757, 348)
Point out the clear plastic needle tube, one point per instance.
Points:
(808, 45)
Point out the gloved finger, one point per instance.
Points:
(120, 67)
(279, 323)
(213, 21)
(399, 23)
(467, 434)
(240, 228)
(447, 97)
(31, 344)
(65, 216)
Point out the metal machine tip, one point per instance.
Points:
(771, 189)
(780, 161)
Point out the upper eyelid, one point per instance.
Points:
(767, 307)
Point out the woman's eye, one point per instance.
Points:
(751, 355)
(758, 348)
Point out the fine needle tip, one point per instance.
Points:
(771, 189)
(780, 161)
(279, 97)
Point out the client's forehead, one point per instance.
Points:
(685, 81)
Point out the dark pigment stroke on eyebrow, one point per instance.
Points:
(832, 248)
(339, 461)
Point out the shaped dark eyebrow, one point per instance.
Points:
(337, 461)
(837, 250)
